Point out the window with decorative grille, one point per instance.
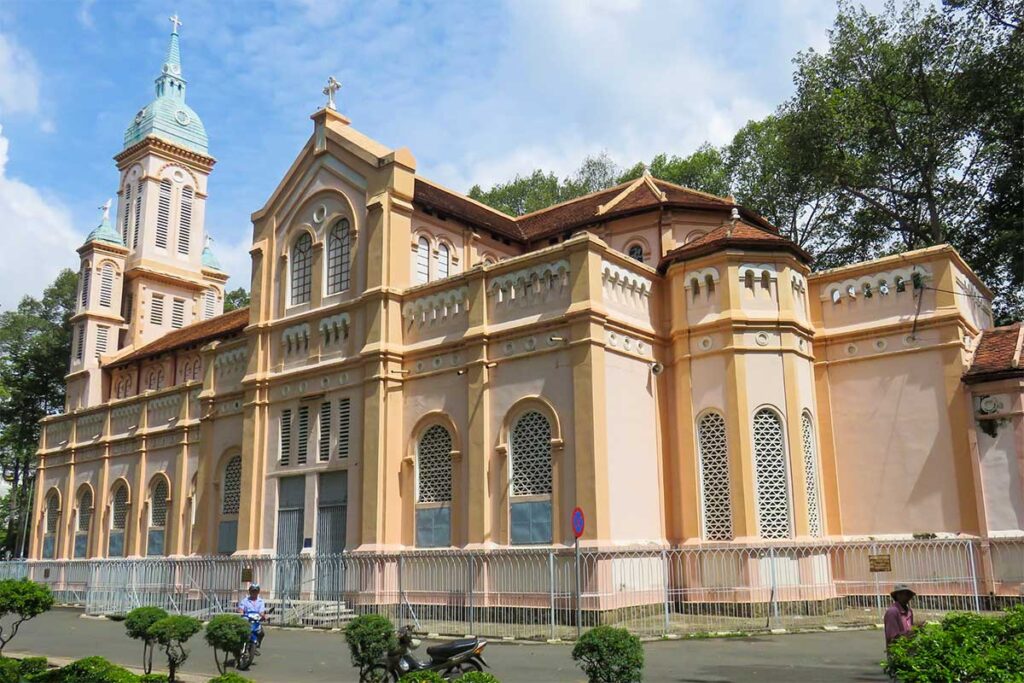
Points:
(338, 253)
(126, 204)
(771, 476)
(344, 426)
(156, 535)
(434, 488)
(422, 261)
(84, 510)
(163, 213)
(102, 336)
(714, 471)
(137, 223)
(86, 276)
(52, 512)
(210, 303)
(185, 220)
(79, 341)
(177, 313)
(286, 436)
(811, 476)
(302, 269)
(302, 448)
(156, 309)
(444, 261)
(324, 445)
(531, 476)
(231, 497)
(118, 522)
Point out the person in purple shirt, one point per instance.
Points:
(899, 618)
(254, 603)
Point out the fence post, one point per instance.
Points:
(551, 584)
(874, 575)
(401, 591)
(579, 611)
(774, 605)
(974, 574)
(668, 582)
(472, 607)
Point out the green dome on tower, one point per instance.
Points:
(104, 232)
(168, 117)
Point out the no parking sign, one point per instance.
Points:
(579, 522)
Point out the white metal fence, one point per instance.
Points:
(533, 593)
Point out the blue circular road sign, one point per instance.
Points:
(578, 522)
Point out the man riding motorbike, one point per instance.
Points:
(253, 603)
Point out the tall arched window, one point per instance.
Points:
(302, 269)
(811, 476)
(137, 222)
(444, 261)
(714, 478)
(157, 517)
(530, 506)
(434, 488)
(85, 278)
(771, 476)
(106, 284)
(422, 274)
(126, 212)
(339, 247)
(118, 521)
(52, 525)
(231, 497)
(84, 522)
(155, 378)
(185, 220)
(163, 213)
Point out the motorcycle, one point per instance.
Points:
(451, 659)
(250, 649)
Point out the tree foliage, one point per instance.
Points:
(226, 633)
(609, 655)
(370, 637)
(236, 298)
(20, 601)
(137, 624)
(172, 633)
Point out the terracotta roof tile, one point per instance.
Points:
(994, 357)
(739, 235)
(466, 209)
(207, 330)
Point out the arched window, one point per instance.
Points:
(163, 213)
(196, 369)
(84, 284)
(52, 525)
(126, 212)
(530, 506)
(106, 284)
(444, 261)
(422, 274)
(185, 220)
(84, 522)
(302, 268)
(811, 476)
(714, 478)
(231, 498)
(636, 252)
(118, 521)
(770, 473)
(709, 283)
(748, 280)
(137, 222)
(766, 280)
(694, 288)
(155, 378)
(434, 488)
(339, 246)
(157, 516)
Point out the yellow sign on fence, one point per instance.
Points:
(880, 563)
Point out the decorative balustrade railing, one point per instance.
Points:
(531, 593)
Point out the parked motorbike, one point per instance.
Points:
(451, 659)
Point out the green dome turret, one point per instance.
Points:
(104, 232)
(209, 260)
(168, 117)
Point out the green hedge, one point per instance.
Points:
(88, 670)
(30, 666)
(964, 647)
(478, 677)
(610, 655)
(229, 677)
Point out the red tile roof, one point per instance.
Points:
(472, 212)
(998, 349)
(225, 325)
(740, 235)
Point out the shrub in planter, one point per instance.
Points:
(88, 670)
(226, 633)
(229, 677)
(610, 655)
(370, 637)
(137, 625)
(21, 600)
(422, 677)
(30, 666)
(963, 647)
(479, 677)
(172, 633)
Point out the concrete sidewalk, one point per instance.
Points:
(321, 657)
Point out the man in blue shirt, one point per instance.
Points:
(254, 603)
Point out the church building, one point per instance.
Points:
(418, 370)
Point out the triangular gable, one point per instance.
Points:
(646, 180)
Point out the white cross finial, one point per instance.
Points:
(332, 87)
(106, 210)
(175, 22)
(208, 240)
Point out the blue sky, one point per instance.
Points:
(479, 91)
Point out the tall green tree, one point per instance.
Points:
(35, 346)
(236, 298)
(706, 169)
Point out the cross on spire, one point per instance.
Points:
(332, 87)
(175, 22)
(105, 208)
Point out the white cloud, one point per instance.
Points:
(19, 84)
(37, 234)
(85, 13)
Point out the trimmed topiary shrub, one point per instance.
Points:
(21, 600)
(137, 625)
(172, 633)
(479, 677)
(610, 655)
(30, 666)
(229, 677)
(89, 670)
(422, 677)
(963, 647)
(10, 670)
(226, 633)
(370, 637)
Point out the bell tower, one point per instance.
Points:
(171, 278)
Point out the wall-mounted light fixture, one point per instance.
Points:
(556, 338)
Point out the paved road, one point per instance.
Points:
(319, 657)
